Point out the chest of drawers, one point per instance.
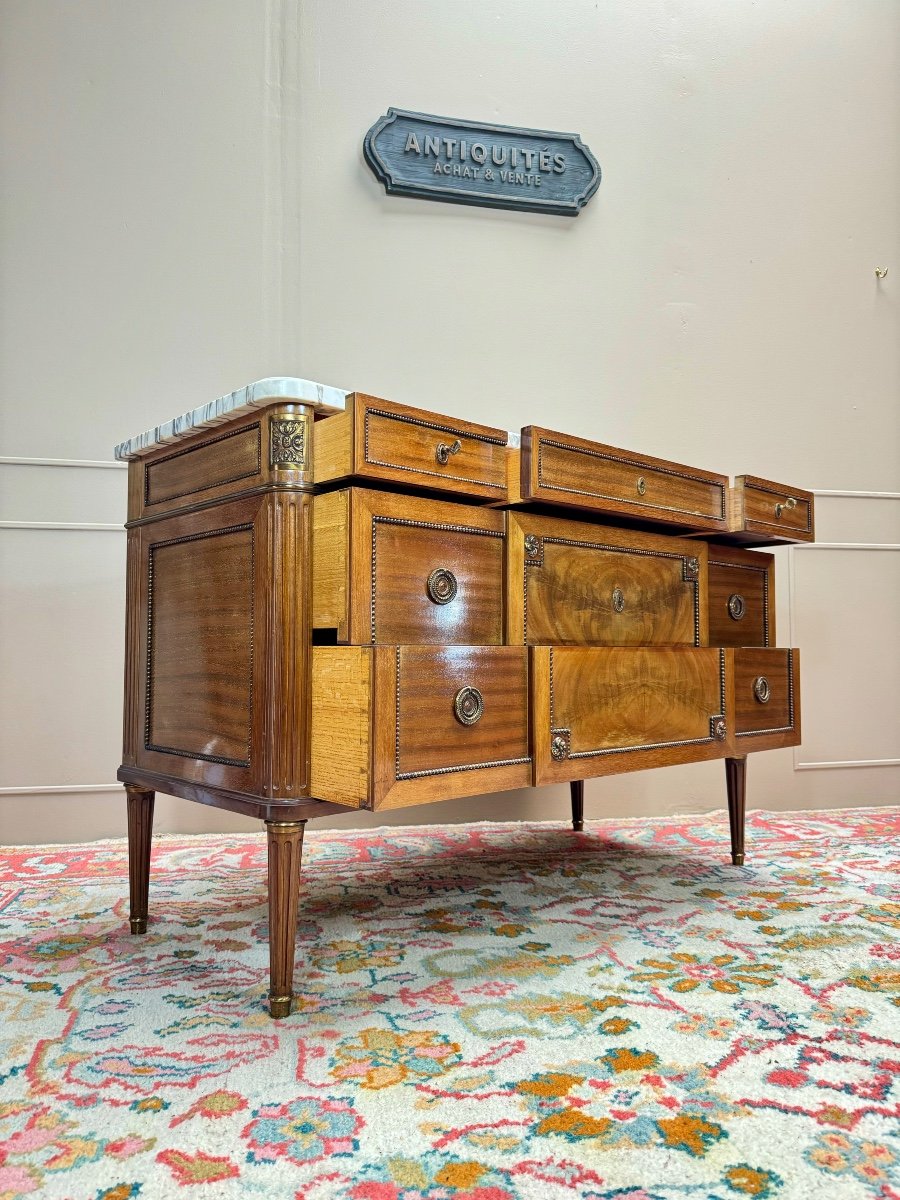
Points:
(337, 602)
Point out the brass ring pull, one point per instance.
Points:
(736, 606)
(789, 503)
(641, 485)
(618, 600)
(468, 705)
(443, 452)
(761, 689)
(441, 586)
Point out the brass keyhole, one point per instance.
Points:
(761, 689)
(641, 485)
(443, 452)
(736, 607)
(618, 600)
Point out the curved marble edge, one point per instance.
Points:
(226, 408)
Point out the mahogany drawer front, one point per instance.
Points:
(561, 469)
(377, 439)
(764, 511)
(741, 597)
(766, 698)
(392, 569)
(600, 710)
(397, 725)
(570, 582)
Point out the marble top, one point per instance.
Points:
(235, 404)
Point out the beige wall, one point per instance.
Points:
(186, 208)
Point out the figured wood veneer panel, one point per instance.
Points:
(201, 646)
(188, 473)
(612, 699)
(430, 737)
(580, 584)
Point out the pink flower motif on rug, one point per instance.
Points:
(303, 1131)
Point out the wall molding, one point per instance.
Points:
(61, 789)
(836, 764)
(92, 463)
(857, 495)
(68, 526)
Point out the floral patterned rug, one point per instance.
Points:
(486, 1012)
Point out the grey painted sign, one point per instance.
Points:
(467, 162)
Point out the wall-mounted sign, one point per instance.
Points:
(466, 162)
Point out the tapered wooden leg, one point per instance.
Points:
(577, 789)
(140, 833)
(736, 778)
(285, 850)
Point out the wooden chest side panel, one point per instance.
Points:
(341, 750)
(200, 646)
(333, 447)
(331, 562)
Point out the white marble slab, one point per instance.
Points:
(235, 404)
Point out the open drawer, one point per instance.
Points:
(766, 698)
(761, 512)
(600, 710)
(398, 725)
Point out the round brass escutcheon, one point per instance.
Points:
(618, 600)
(736, 606)
(468, 705)
(641, 485)
(719, 729)
(761, 689)
(441, 586)
(443, 451)
(559, 748)
(532, 545)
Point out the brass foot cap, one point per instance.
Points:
(737, 860)
(280, 1006)
(578, 826)
(138, 924)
